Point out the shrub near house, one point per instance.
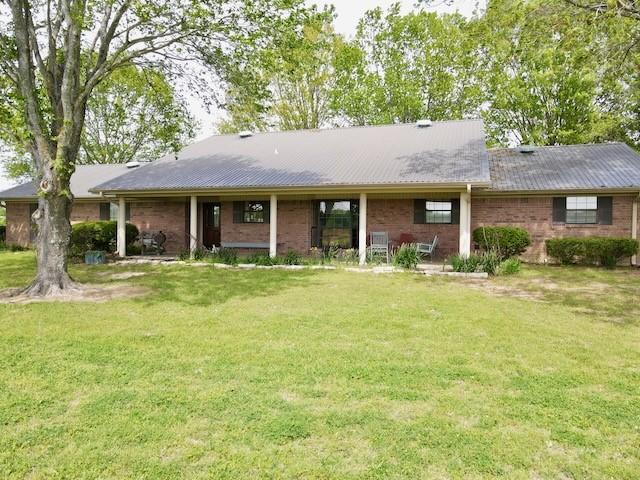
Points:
(604, 251)
(87, 236)
(506, 242)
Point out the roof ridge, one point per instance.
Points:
(348, 127)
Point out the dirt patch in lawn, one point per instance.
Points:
(86, 293)
(510, 291)
(123, 275)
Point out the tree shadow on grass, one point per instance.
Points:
(208, 286)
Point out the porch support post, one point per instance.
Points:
(465, 223)
(273, 226)
(362, 234)
(193, 225)
(634, 226)
(121, 237)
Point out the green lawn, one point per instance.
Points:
(329, 374)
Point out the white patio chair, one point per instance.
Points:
(428, 248)
(379, 244)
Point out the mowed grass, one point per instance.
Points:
(301, 374)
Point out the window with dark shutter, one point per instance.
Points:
(105, 211)
(605, 210)
(455, 211)
(127, 212)
(419, 211)
(251, 212)
(559, 209)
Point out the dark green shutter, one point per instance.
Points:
(560, 209)
(315, 225)
(238, 208)
(105, 211)
(455, 211)
(127, 212)
(605, 210)
(266, 208)
(419, 210)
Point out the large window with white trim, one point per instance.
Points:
(582, 210)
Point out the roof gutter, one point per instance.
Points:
(404, 187)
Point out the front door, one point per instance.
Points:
(211, 225)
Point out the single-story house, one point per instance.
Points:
(303, 189)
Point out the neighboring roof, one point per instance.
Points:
(451, 152)
(85, 177)
(565, 167)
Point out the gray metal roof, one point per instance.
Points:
(565, 167)
(445, 153)
(85, 177)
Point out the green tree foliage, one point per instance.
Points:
(288, 87)
(135, 114)
(400, 68)
(546, 74)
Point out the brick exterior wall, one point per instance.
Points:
(535, 214)
(396, 217)
(18, 224)
(85, 212)
(167, 216)
(294, 226)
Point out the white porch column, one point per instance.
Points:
(193, 225)
(362, 234)
(634, 226)
(273, 226)
(121, 237)
(465, 223)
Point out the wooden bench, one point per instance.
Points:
(246, 245)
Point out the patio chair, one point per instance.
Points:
(428, 248)
(379, 244)
(153, 242)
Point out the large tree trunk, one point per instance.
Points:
(54, 232)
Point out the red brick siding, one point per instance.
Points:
(294, 226)
(85, 212)
(535, 214)
(18, 223)
(396, 217)
(240, 232)
(163, 215)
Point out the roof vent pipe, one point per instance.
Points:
(133, 164)
(245, 134)
(527, 148)
(423, 123)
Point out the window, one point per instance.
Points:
(438, 212)
(582, 210)
(336, 224)
(251, 212)
(109, 211)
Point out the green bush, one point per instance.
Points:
(98, 236)
(469, 264)
(261, 259)
(407, 256)
(566, 250)
(292, 258)
(589, 250)
(507, 242)
(486, 262)
(134, 249)
(3, 233)
(226, 255)
(510, 266)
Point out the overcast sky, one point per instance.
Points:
(348, 13)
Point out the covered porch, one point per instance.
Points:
(279, 221)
